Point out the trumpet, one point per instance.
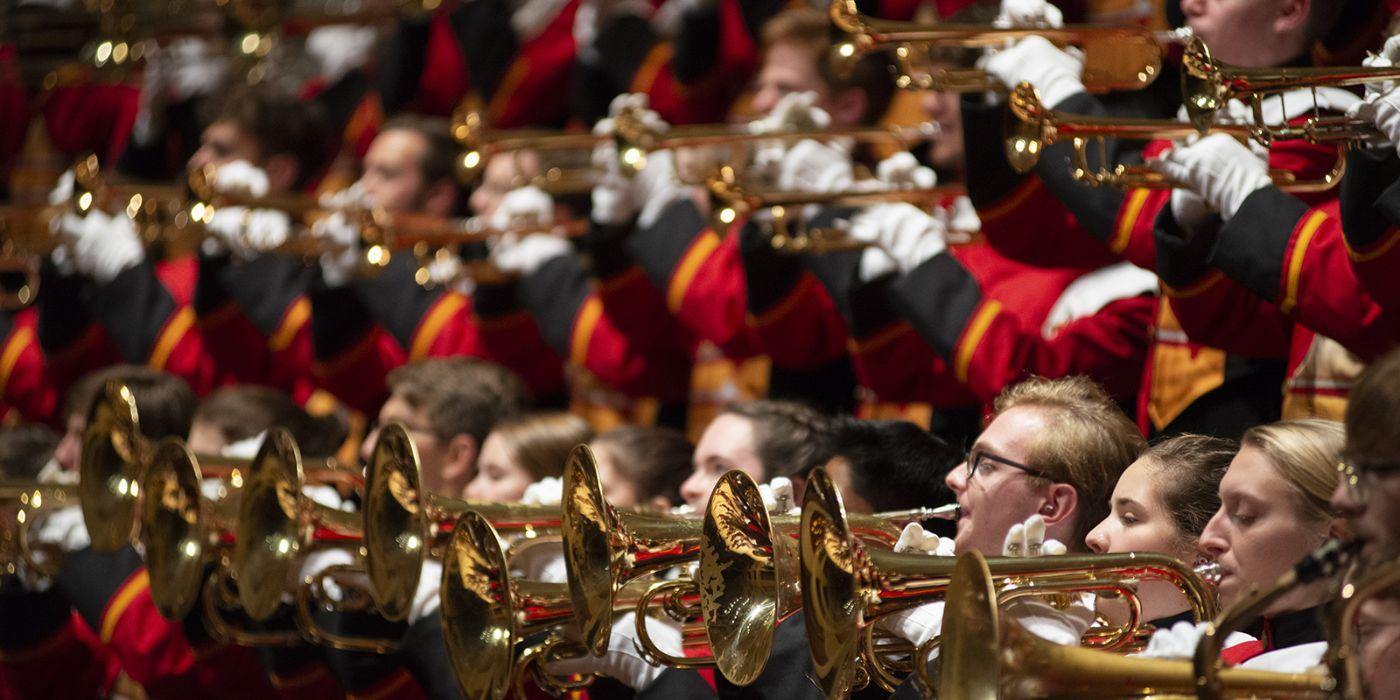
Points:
(846, 588)
(115, 455)
(403, 524)
(736, 200)
(1032, 127)
(1115, 58)
(1207, 84)
(748, 572)
(985, 655)
(486, 613)
(21, 503)
(480, 143)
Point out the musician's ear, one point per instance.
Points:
(1061, 502)
(459, 463)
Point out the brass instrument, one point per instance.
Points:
(989, 657)
(846, 587)
(1342, 649)
(1325, 562)
(486, 613)
(1207, 84)
(114, 458)
(22, 502)
(1115, 58)
(605, 549)
(1032, 126)
(404, 524)
(748, 572)
(734, 199)
(480, 144)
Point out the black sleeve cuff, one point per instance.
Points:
(1253, 244)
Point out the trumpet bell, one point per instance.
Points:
(829, 586)
(273, 525)
(589, 525)
(1202, 91)
(1025, 127)
(394, 520)
(110, 467)
(171, 528)
(970, 633)
(478, 618)
(740, 587)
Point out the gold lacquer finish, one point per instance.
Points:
(182, 530)
(1032, 127)
(110, 468)
(404, 524)
(22, 503)
(605, 549)
(1115, 58)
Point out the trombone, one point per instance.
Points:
(846, 587)
(1032, 127)
(21, 502)
(986, 656)
(1207, 84)
(1115, 58)
(403, 523)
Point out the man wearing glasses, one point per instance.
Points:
(1055, 449)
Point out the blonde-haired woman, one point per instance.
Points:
(1274, 510)
(524, 450)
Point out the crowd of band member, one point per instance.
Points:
(1203, 372)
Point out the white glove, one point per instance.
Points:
(903, 170)
(1219, 168)
(1052, 624)
(337, 267)
(522, 207)
(539, 561)
(1382, 103)
(777, 495)
(962, 220)
(916, 625)
(622, 660)
(1388, 57)
(241, 177)
(244, 232)
(103, 246)
(548, 491)
(352, 197)
(906, 233)
(1180, 641)
(1189, 209)
(1028, 13)
(65, 529)
(1028, 540)
(813, 166)
(1054, 72)
(795, 111)
(426, 598)
(617, 198)
(63, 189)
(340, 48)
(247, 448)
(527, 255)
(914, 538)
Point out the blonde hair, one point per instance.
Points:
(541, 442)
(1305, 453)
(1090, 445)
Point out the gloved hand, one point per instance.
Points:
(617, 199)
(1219, 168)
(65, 529)
(527, 206)
(1189, 209)
(319, 560)
(1028, 13)
(1028, 540)
(813, 166)
(338, 266)
(102, 246)
(1180, 641)
(622, 660)
(795, 111)
(1382, 103)
(1054, 72)
(914, 538)
(962, 220)
(548, 491)
(340, 48)
(777, 495)
(352, 197)
(246, 233)
(902, 170)
(241, 177)
(906, 233)
(915, 625)
(527, 254)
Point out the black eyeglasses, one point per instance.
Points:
(977, 462)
